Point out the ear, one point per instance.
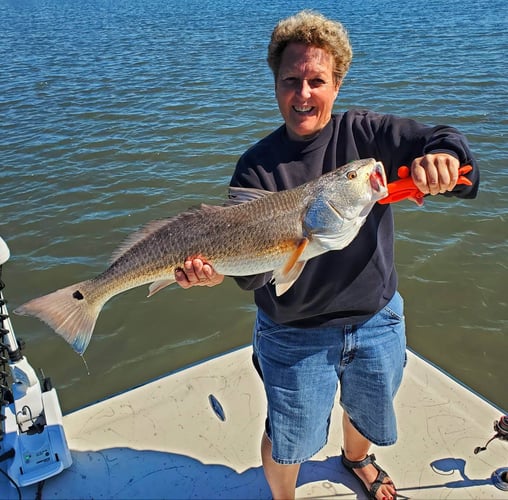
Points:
(338, 83)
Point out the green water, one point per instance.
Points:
(114, 115)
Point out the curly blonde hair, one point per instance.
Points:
(311, 28)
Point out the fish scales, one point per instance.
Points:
(228, 237)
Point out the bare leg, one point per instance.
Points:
(356, 448)
(281, 478)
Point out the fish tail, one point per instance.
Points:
(68, 312)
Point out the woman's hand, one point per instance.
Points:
(435, 173)
(195, 272)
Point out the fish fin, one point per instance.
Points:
(68, 312)
(156, 225)
(210, 208)
(285, 277)
(281, 288)
(238, 195)
(138, 236)
(293, 258)
(157, 286)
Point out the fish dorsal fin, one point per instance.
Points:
(239, 195)
(285, 277)
(211, 208)
(155, 225)
(138, 236)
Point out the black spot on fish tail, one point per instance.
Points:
(78, 295)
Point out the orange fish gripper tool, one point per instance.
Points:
(405, 188)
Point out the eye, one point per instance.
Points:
(351, 175)
(289, 81)
(317, 82)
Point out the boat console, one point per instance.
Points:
(33, 446)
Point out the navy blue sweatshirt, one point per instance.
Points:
(350, 285)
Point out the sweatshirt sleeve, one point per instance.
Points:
(450, 140)
(398, 141)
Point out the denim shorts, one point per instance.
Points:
(301, 370)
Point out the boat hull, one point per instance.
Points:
(170, 439)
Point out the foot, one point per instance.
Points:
(375, 481)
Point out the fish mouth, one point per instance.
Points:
(377, 179)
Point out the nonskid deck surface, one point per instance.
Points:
(164, 440)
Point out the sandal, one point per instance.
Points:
(377, 483)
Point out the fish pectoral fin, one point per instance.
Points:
(295, 256)
(157, 286)
(284, 286)
(285, 277)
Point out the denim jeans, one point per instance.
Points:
(301, 370)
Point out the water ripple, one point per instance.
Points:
(117, 113)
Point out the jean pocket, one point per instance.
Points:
(393, 314)
(265, 326)
(395, 308)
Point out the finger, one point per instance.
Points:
(190, 271)
(454, 176)
(447, 170)
(181, 278)
(420, 175)
(452, 166)
(213, 277)
(433, 173)
(208, 271)
(444, 178)
(199, 271)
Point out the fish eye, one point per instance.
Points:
(351, 175)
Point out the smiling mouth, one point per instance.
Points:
(303, 110)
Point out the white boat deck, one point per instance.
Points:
(163, 440)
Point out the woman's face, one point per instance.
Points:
(305, 89)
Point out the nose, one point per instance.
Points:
(304, 89)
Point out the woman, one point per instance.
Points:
(342, 321)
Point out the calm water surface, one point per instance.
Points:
(116, 113)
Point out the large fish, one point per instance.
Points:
(261, 232)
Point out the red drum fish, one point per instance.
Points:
(261, 232)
